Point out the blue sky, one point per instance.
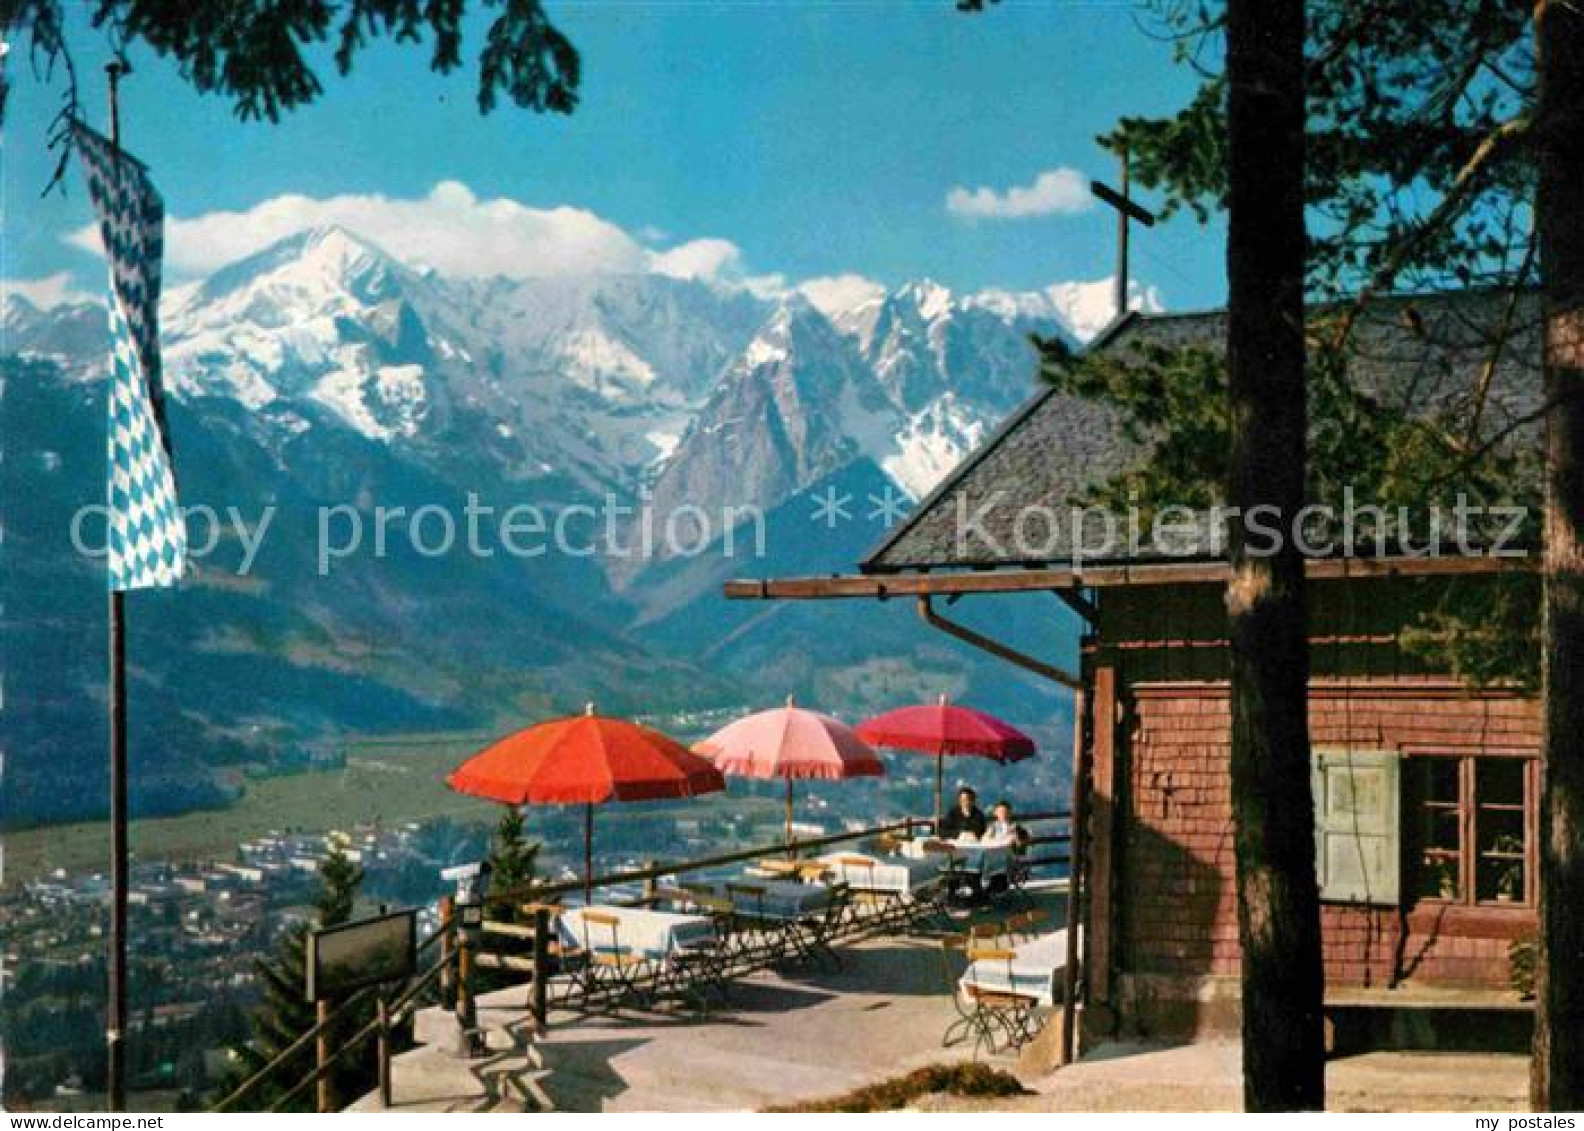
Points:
(800, 139)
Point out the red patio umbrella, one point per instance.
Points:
(945, 728)
(790, 742)
(585, 759)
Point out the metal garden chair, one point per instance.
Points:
(997, 1020)
(873, 906)
(613, 969)
(762, 938)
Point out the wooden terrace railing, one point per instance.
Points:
(450, 957)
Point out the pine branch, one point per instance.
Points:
(1495, 146)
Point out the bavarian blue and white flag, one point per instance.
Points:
(147, 537)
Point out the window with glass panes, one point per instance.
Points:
(1470, 817)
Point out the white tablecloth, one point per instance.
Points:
(893, 873)
(653, 934)
(1035, 971)
(783, 899)
(986, 860)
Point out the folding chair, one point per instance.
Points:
(1017, 875)
(809, 933)
(828, 928)
(995, 1019)
(762, 939)
(963, 886)
(1024, 924)
(884, 907)
(937, 896)
(697, 972)
(990, 933)
(703, 899)
(567, 959)
(888, 843)
(612, 968)
(972, 1019)
(1011, 1011)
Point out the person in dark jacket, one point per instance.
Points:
(965, 818)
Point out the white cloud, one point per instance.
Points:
(451, 230)
(833, 295)
(699, 259)
(460, 235)
(1054, 192)
(457, 234)
(714, 261)
(50, 291)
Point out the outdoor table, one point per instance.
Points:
(1034, 973)
(893, 874)
(887, 891)
(785, 900)
(987, 860)
(785, 918)
(653, 934)
(805, 871)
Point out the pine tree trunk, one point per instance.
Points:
(1273, 814)
(1558, 1077)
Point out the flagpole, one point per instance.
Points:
(115, 1023)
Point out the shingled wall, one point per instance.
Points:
(1177, 905)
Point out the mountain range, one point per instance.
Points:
(324, 376)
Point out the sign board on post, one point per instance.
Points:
(348, 957)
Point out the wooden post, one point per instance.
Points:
(541, 964)
(322, 1090)
(1075, 871)
(466, 1015)
(383, 1046)
(448, 979)
(1126, 211)
(1099, 865)
(651, 887)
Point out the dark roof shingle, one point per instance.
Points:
(1012, 502)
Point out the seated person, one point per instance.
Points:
(966, 821)
(1004, 830)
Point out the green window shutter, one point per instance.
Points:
(1358, 820)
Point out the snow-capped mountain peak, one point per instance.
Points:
(608, 382)
(932, 300)
(323, 316)
(1082, 307)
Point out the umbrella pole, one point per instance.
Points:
(940, 772)
(790, 850)
(588, 854)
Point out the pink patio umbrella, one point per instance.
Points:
(790, 743)
(944, 728)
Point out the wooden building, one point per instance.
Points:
(1426, 786)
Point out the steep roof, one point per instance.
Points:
(1012, 501)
